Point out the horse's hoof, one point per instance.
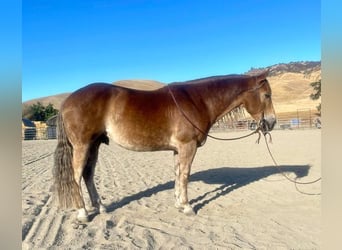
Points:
(178, 205)
(188, 210)
(103, 209)
(97, 210)
(82, 215)
(83, 219)
(92, 210)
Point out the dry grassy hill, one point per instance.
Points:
(140, 84)
(290, 85)
(57, 100)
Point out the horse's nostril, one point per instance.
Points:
(267, 124)
(271, 123)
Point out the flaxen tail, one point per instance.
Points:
(65, 185)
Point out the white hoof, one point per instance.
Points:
(178, 205)
(188, 210)
(99, 209)
(103, 209)
(83, 219)
(82, 215)
(92, 210)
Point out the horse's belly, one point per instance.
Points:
(139, 140)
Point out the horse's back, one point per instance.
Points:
(89, 93)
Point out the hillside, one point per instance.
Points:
(139, 84)
(290, 84)
(57, 100)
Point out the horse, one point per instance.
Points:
(176, 117)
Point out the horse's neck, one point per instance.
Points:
(220, 98)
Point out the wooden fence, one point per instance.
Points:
(299, 119)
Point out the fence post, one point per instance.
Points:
(310, 118)
(297, 118)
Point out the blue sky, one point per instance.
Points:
(68, 44)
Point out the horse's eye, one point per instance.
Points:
(268, 95)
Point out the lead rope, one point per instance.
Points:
(257, 131)
(283, 174)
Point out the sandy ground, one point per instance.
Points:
(241, 200)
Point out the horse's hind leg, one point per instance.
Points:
(80, 156)
(88, 175)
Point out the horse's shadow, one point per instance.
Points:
(228, 178)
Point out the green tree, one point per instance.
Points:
(50, 111)
(39, 112)
(317, 93)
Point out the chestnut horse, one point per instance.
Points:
(176, 117)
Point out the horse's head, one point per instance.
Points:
(258, 102)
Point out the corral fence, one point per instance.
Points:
(299, 119)
(39, 130)
(38, 133)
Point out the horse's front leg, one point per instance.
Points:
(185, 157)
(177, 173)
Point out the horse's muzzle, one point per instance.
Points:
(267, 124)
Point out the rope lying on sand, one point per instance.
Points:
(282, 173)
